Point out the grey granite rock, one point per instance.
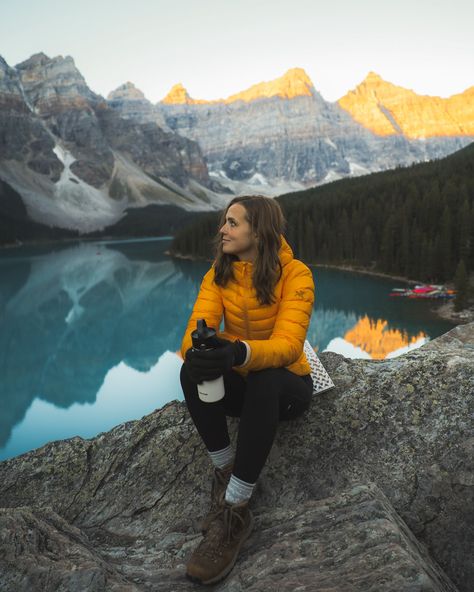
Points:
(387, 456)
(77, 164)
(78, 116)
(39, 551)
(351, 541)
(22, 136)
(285, 137)
(131, 103)
(274, 144)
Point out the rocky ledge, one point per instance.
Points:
(371, 490)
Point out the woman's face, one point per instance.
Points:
(238, 239)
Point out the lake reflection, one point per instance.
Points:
(90, 333)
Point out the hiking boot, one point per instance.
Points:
(216, 554)
(220, 481)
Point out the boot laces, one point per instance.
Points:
(221, 531)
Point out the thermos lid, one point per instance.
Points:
(202, 334)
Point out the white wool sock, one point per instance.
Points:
(237, 490)
(222, 458)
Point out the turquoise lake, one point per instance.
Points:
(90, 332)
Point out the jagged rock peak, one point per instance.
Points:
(386, 109)
(296, 76)
(178, 95)
(3, 63)
(37, 59)
(373, 82)
(373, 77)
(6, 71)
(10, 91)
(57, 71)
(52, 84)
(295, 82)
(126, 92)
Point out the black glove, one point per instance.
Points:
(193, 373)
(210, 364)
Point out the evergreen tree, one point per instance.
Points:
(445, 251)
(366, 247)
(345, 235)
(388, 244)
(464, 234)
(461, 286)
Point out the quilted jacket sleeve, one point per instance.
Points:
(208, 306)
(286, 342)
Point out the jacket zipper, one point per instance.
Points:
(245, 306)
(246, 320)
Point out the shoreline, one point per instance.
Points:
(40, 243)
(444, 310)
(369, 272)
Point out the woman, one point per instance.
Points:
(266, 297)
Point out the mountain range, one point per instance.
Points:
(80, 161)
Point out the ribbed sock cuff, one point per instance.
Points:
(238, 490)
(222, 458)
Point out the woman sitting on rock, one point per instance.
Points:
(266, 297)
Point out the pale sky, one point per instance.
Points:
(216, 48)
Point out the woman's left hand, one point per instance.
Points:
(221, 359)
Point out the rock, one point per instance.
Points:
(22, 136)
(351, 541)
(41, 551)
(294, 83)
(389, 109)
(53, 85)
(354, 540)
(282, 136)
(62, 145)
(387, 456)
(131, 103)
(446, 311)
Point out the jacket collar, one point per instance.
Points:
(285, 254)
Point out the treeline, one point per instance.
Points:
(415, 221)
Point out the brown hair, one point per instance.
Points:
(267, 221)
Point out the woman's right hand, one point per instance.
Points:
(197, 375)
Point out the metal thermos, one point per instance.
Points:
(204, 338)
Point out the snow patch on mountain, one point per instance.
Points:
(258, 183)
(68, 203)
(330, 143)
(81, 205)
(330, 177)
(258, 179)
(357, 169)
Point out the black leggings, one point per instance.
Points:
(260, 400)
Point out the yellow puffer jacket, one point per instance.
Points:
(276, 332)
